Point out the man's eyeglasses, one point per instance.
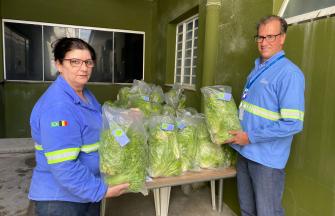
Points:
(78, 62)
(268, 38)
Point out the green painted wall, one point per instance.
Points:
(117, 14)
(310, 180)
(168, 15)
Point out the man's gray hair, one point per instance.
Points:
(266, 19)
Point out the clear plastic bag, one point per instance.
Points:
(220, 112)
(210, 155)
(123, 147)
(164, 154)
(187, 139)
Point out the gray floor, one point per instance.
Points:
(195, 203)
(17, 161)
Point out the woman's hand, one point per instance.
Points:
(117, 190)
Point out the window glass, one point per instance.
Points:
(298, 7)
(29, 56)
(50, 35)
(128, 57)
(23, 51)
(186, 51)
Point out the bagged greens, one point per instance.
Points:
(164, 155)
(175, 97)
(187, 139)
(220, 112)
(210, 155)
(123, 147)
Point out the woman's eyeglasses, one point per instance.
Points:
(78, 62)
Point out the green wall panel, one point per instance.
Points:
(310, 181)
(2, 112)
(19, 100)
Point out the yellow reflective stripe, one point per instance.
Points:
(259, 111)
(62, 155)
(90, 148)
(292, 114)
(38, 147)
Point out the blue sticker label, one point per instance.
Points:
(146, 98)
(224, 96)
(120, 137)
(167, 127)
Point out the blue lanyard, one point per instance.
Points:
(249, 84)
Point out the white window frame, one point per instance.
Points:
(190, 84)
(306, 16)
(65, 26)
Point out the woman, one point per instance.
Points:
(65, 125)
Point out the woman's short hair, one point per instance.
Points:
(266, 19)
(65, 44)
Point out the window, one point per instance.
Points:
(186, 52)
(28, 52)
(301, 10)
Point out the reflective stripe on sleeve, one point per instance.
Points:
(62, 155)
(90, 148)
(84, 148)
(292, 114)
(38, 147)
(259, 111)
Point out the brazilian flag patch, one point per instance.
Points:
(59, 123)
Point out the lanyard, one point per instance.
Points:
(251, 81)
(249, 84)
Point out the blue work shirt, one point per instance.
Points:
(272, 112)
(66, 132)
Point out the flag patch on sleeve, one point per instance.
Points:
(59, 123)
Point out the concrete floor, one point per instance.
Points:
(17, 161)
(195, 203)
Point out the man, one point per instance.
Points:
(271, 112)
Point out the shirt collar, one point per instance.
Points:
(258, 63)
(67, 89)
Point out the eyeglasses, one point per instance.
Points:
(268, 38)
(78, 62)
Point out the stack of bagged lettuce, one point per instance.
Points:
(123, 147)
(163, 138)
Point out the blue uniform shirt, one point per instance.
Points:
(272, 112)
(66, 133)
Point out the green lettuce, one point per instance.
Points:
(128, 163)
(164, 155)
(221, 115)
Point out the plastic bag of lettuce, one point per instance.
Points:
(123, 147)
(175, 97)
(220, 112)
(164, 155)
(187, 139)
(210, 155)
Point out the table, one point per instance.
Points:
(162, 186)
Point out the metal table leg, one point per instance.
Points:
(213, 194)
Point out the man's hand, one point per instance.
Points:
(240, 138)
(117, 190)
